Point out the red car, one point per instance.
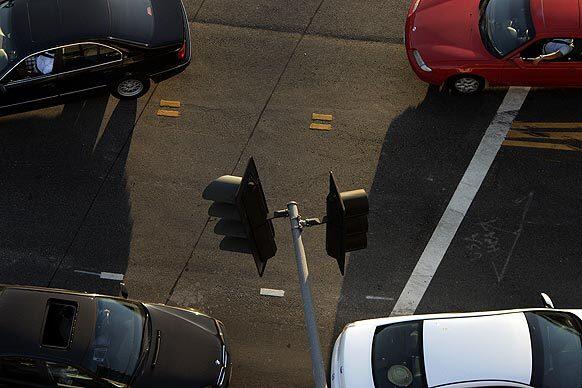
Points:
(467, 44)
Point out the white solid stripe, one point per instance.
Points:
(271, 292)
(459, 205)
(111, 276)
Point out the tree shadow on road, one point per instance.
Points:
(425, 153)
(64, 202)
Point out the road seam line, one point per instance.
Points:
(459, 204)
(111, 167)
(244, 148)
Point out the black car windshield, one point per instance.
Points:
(397, 359)
(556, 349)
(7, 41)
(119, 338)
(505, 25)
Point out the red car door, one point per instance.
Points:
(548, 74)
(520, 71)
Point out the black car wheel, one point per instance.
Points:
(467, 84)
(131, 87)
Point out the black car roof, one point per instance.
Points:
(22, 314)
(42, 24)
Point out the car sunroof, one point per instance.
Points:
(58, 323)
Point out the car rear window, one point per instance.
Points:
(59, 323)
(397, 359)
(132, 20)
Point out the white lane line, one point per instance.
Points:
(462, 198)
(271, 292)
(372, 297)
(103, 275)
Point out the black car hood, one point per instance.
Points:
(188, 351)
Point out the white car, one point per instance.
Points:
(512, 348)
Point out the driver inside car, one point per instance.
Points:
(554, 49)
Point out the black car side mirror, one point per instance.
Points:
(123, 290)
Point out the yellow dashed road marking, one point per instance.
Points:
(545, 135)
(321, 117)
(531, 144)
(540, 125)
(170, 104)
(320, 127)
(168, 113)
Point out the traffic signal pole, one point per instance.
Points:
(247, 227)
(303, 272)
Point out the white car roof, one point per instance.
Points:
(494, 347)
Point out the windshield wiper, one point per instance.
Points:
(157, 349)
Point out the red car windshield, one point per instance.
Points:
(505, 25)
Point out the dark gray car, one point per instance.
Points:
(55, 338)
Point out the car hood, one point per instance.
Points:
(188, 350)
(447, 31)
(496, 347)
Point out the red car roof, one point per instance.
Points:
(551, 16)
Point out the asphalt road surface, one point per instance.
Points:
(99, 190)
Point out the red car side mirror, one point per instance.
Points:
(518, 61)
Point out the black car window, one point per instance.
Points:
(59, 323)
(397, 358)
(556, 349)
(16, 371)
(63, 375)
(540, 47)
(8, 49)
(80, 56)
(35, 66)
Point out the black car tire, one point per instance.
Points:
(466, 84)
(130, 87)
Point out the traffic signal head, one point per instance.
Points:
(347, 222)
(240, 204)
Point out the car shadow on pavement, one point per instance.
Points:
(424, 155)
(63, 174)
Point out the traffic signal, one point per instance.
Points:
(240, 204)
(347, 222)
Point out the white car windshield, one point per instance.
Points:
(505, 25)
(397, 356)
(556, 349)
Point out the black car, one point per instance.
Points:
(59, 338)
(57, 48)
